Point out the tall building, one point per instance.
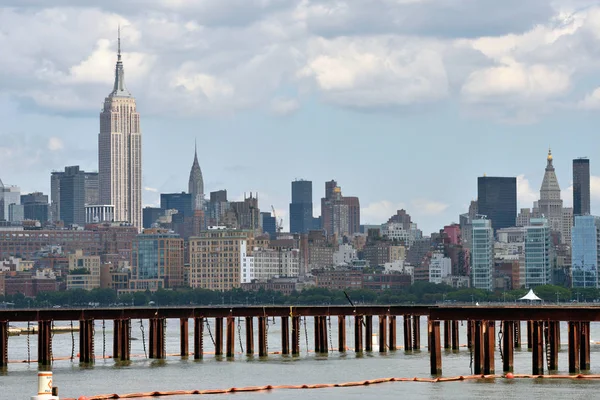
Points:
(10, 196)
(482, 254)
(120, 151)
(247, 212)
(196, 183)
(581, 186)
(550, 204)
(217, 206)
(585, 255)
(339, 215)
(497, 200)
(301, 207)
(35, 206)
(538, 253)
(182, 202)
(269, 224)
(157, 261)
(88, 193)
(72, 196)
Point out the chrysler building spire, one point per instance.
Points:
(196, 182)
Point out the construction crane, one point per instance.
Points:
(278, 222)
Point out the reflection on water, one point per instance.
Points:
(141, 374)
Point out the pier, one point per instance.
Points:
(489, 328)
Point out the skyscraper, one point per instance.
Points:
(120, 151)
(89, 196)
(538, 253)
(196, 183)
(497, 200)
(585, 256)
(72, 196)
(301, 213)
(581, 186)
(482, 254)
(550, 204)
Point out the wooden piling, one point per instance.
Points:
(455, 336)
(552, 338)
(184, 334)
(121, 339)
(584, 346)
(407, 333)
(416, 319)
(358, 334)
(341, 333)
(574, 349)
(382, 333)
(198, 338)
(249, 336)
(262, 336)
(478, 347)
(295, 335)
(435, 350)
(230, 346)
(219, 336)
(447, 334)
(537, 347)
(285, 335)
(3, 344)
(86, 341)
(508, 340)
(392, 333)
(368, 333)
(489, 367)
(45, 343)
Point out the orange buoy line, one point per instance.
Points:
(328, 385)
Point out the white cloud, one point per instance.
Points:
(526, 195)
(284, 105)
(151, 189)
(379, 212)
(591, 101)
(595, 187)
(55, 144)
(424, 207)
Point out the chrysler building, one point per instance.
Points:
(120, 151)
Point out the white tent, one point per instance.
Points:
(530, 296)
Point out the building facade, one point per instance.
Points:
(538, 253)
(550, 204)
(497, 200)
(585, 251)
(482, 254)
(120, 151)
(301, 207)
(581, 186)
(196, 183)
(157, 261)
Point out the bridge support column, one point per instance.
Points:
(455, 336)
(198, 338)
(295, 335)
(517, 334)
(537, 343)
(324, 335)
(552, 340)
(285, 335)
(392, 333)
(86, 341)
(435, 349)
(121, 339)
(3, 344)
(508, 343)
(249, 336)
(529, 335)
(574, 347)
(218, 336)
(478, 347)
(341, 333)
(584, 346)
(416, 319)
(184, 334)
(262, 336)
(489, 331)
(368, 333)
(470, 334)
(45, 343)
(358, 334)
(230, 347)
(382, 333)
(447, 334)
(317, 333)
(157, 338)
(407, 333)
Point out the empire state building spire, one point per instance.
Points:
(196, 182)
(119, 88)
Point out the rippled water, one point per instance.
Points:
(19, 380)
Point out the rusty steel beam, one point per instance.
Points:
(295, 335)
(478, 347)
(537, 339)
(552, 341)
(45, 343)
(416, 319)
(508, 344)
(249, 336)
(584, 346)
(435, 348)
(368, 333)
(382, 333)
(262, 336)
(489, 367)
(285, 335)
(574, 346)
(447, 334)
(392, 333)
(341, 334)
(86, 341)
(455, 335)
(358, 334)
(408, 344)
(230, 346)
(198, 338)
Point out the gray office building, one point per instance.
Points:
(497, 200)
(89, 194)
(581, 186)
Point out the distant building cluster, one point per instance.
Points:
(92, 232)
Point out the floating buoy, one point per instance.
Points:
(509, 375)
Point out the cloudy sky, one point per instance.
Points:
(404, 102)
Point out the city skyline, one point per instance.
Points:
(46, 129)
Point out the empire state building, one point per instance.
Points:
(120, 151)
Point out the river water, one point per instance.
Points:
(19, 380)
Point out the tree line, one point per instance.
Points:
(419, 293)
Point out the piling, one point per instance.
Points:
(392, 332)
(198, 338)
(86, 341)
(489, 343)
(537, 343)
(447, 335)
(358, 334)
(407, 333)
(574, 349)
(508, 340)
(157, 338)
(262, 336)
(382, 333)
(529, 335)
(341, 333)
(219, 336)
(368, 333)
(249, 336)
(455, 336)
(285, 335)
(230, 346)
(584, 346)
(184, 333)
(3, 344)
(517, 330)
(553, 343)
(435, 349)
(416, 319)
(478, 347)
(295, 335)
